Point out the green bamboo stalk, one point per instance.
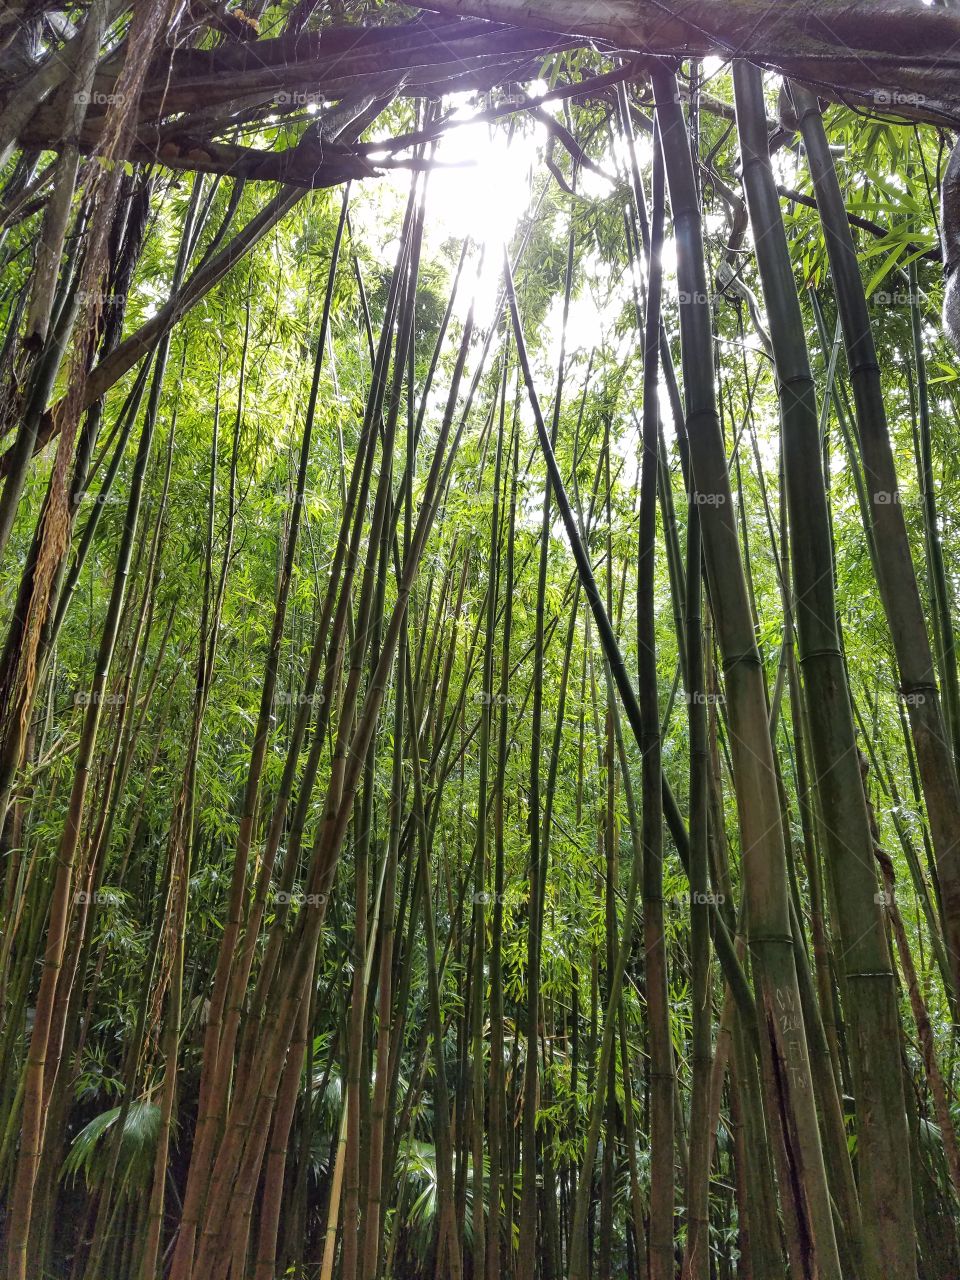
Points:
(788, 1093)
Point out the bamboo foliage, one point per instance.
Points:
(478, 792)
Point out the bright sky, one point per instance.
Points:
(480, 192)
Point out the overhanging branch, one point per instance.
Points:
(899, 56)
(896, 57)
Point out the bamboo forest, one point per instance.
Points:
(479, 679)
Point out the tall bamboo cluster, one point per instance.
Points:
(478, 789)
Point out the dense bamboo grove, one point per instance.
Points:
(479, 698)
